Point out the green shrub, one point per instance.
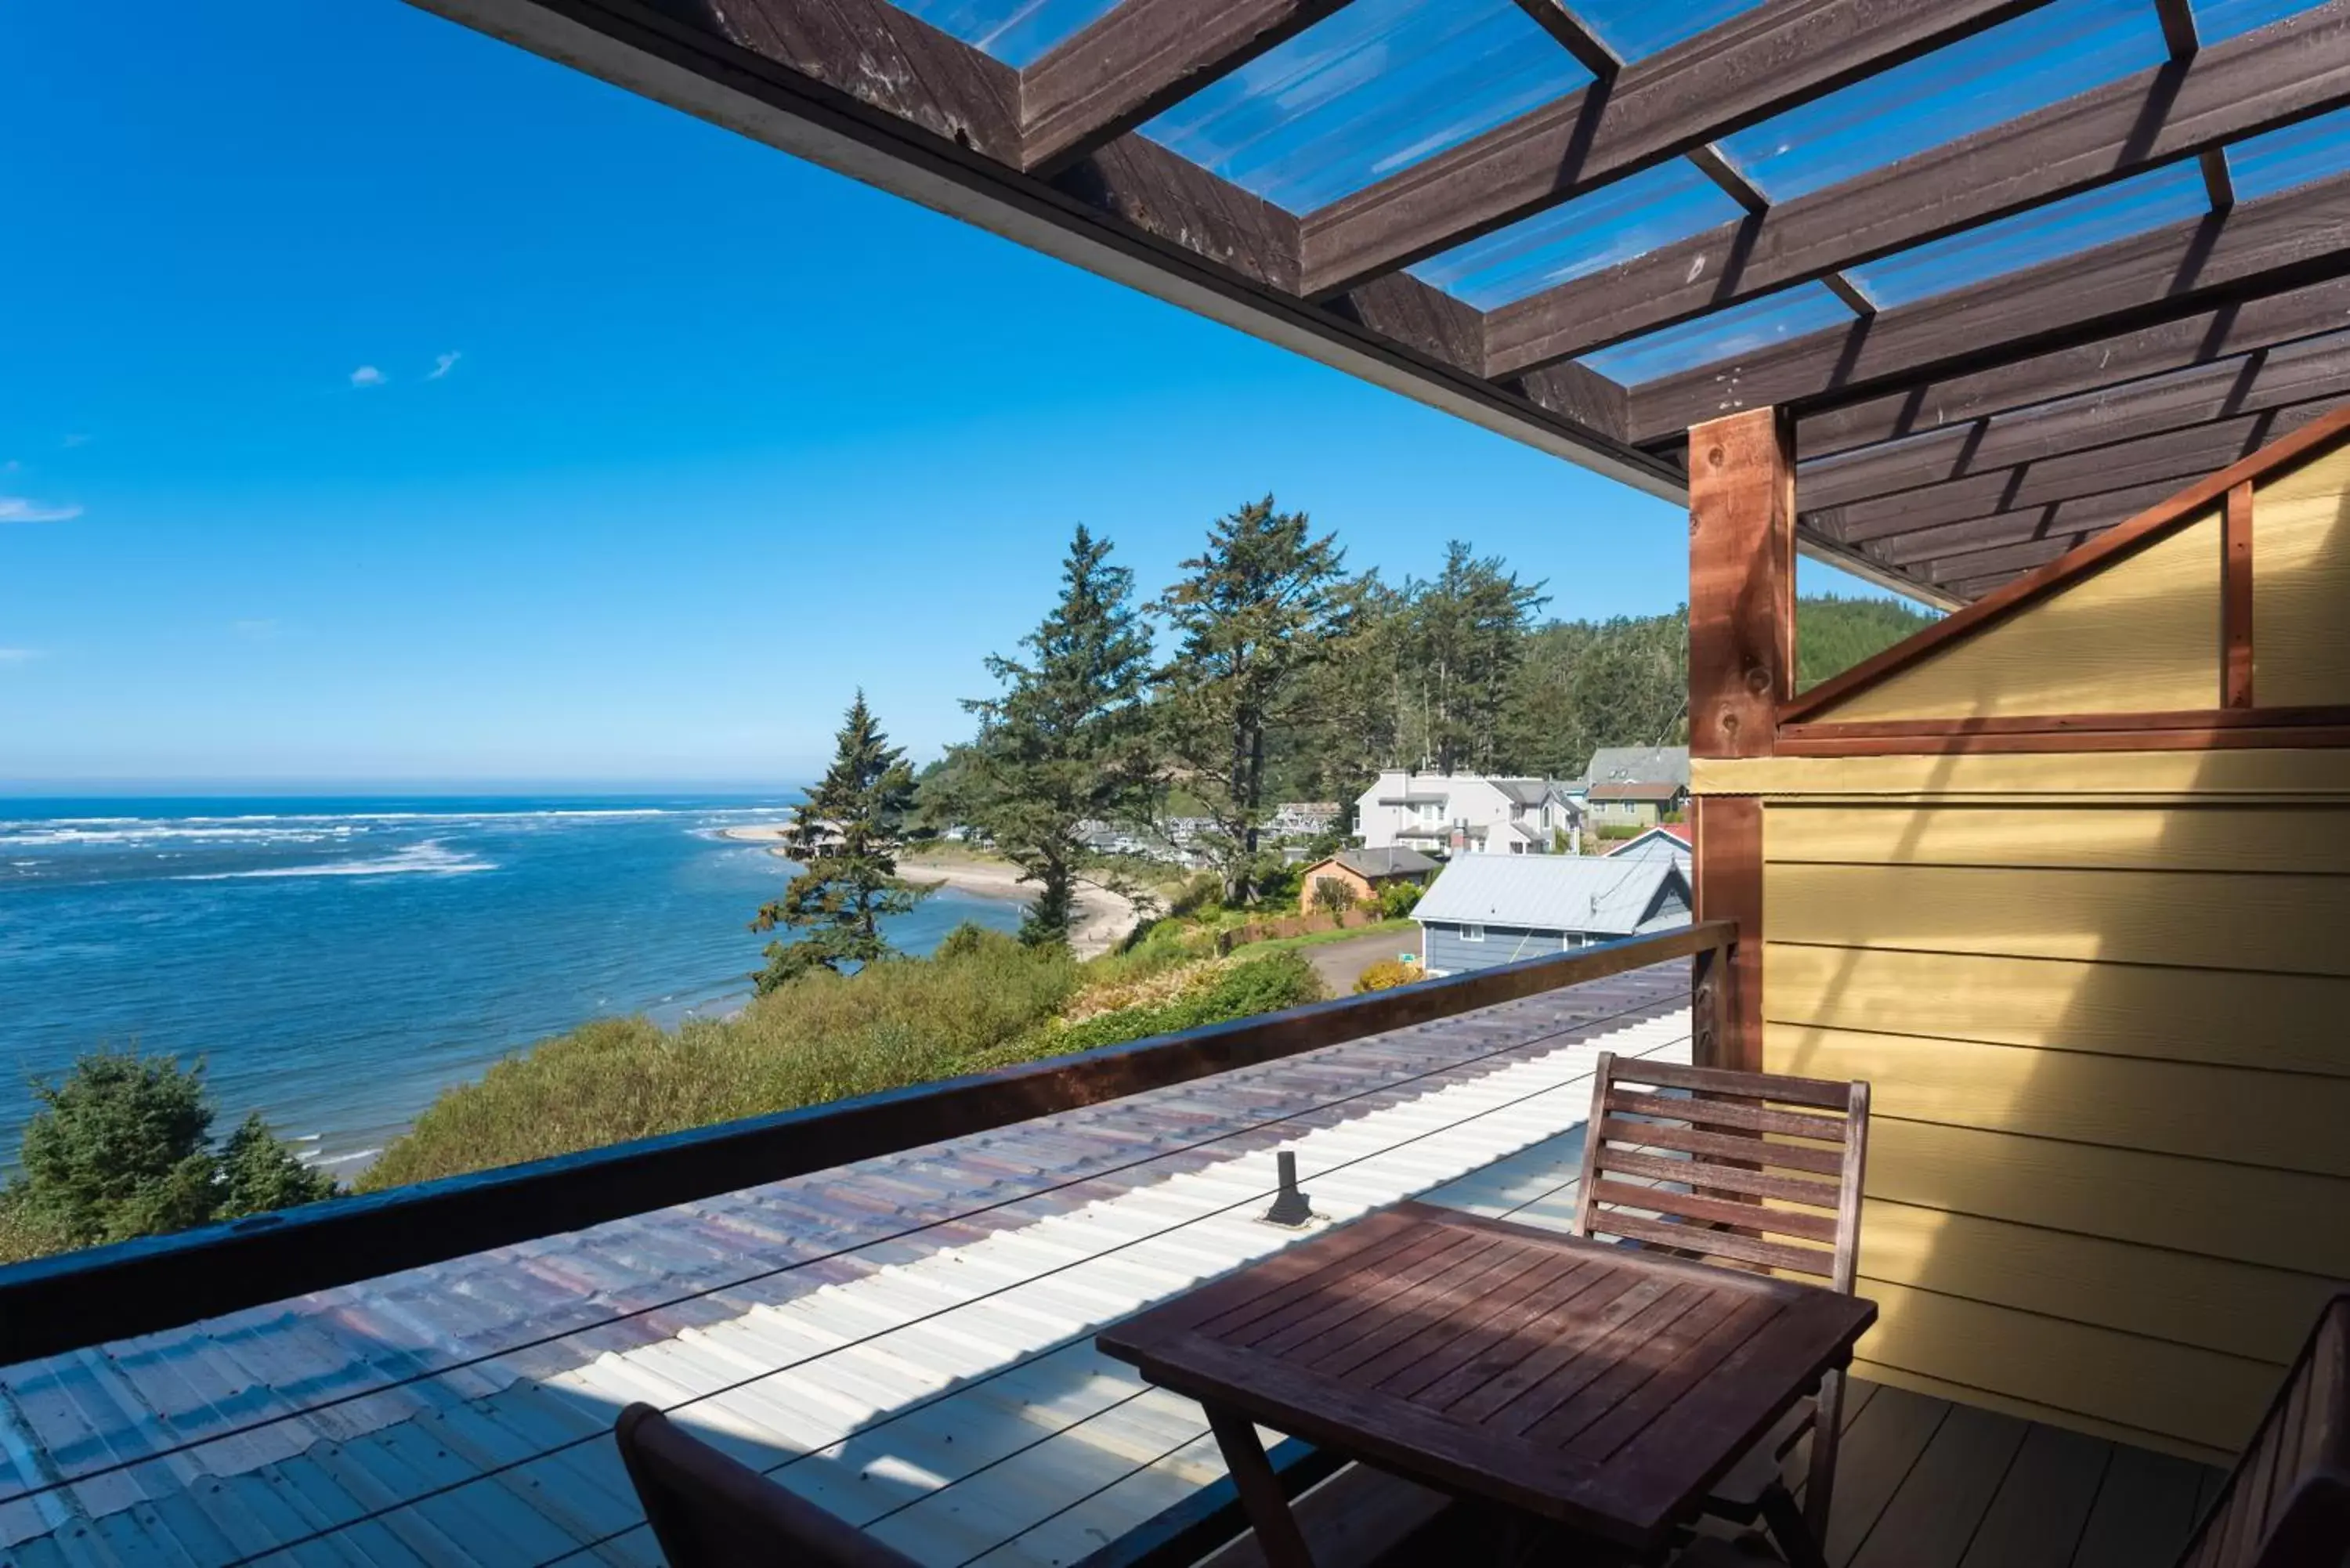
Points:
(1266, 984)
(1397, 899)
(821, 1038)
(123, 1148)
(1386, 974)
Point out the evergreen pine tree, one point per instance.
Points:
(1068, 743)
(1466, 643)
(1260, 608)
(845, 837)
(258, 1174)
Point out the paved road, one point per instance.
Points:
(1339, 963)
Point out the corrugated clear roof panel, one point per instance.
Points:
(2148, 200)
(2039, 59)
(2218, 19)
(1637, 28)
(1376, 88)
(1014, 31)
(2279, 159)
(1724, 335)
(1613, 224)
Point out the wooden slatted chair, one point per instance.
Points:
(1751, 1171)
(2287, 1502)
(709, 1511)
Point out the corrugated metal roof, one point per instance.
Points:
(1638, 765)
(1547, 892)
(907, 1340)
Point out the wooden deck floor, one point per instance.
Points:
(1925, 1484)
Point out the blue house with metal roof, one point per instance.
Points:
(1487, 909)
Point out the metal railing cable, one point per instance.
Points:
(906, 1232)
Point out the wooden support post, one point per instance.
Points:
(1742, 672)
(2236, 597)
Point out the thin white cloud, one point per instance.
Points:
(22, 509)
(443, 364)
(367, 376)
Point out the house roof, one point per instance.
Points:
(1638, 765)
(1549, 892)
(1676, 832)
(1524, 792)
(1392, 861)
(1660, 792)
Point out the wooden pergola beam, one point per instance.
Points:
(1767, 59)
(2080, 514)
(2182, 399)
(2285, 72)
(2173, 455)
(1140, 58)
(870, 91)
(2295, 237)
(2206, 337)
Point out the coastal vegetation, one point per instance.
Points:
(983, 999)
(845, 837)
(122, 1147)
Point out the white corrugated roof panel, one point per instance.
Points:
(1547, 892)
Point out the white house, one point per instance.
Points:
(1465, 814)
(1485, 909)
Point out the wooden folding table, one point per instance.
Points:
(1602, 1387)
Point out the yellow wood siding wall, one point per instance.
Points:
(2301, 586)
(2142, 637)
(2104, 998)
(2110, 1180)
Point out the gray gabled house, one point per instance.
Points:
(1487, 909)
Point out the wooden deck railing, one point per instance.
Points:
(76, 1299)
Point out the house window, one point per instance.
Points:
(1472, 933)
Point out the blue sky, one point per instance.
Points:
(385, 405)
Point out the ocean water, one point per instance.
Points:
(337, 962)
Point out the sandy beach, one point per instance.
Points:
(1104, 917)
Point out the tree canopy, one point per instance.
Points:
(846, 837)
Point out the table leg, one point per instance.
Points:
(1260, 1496)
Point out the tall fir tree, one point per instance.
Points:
(846, 837)
(1260, 608)
(1466, 641)
(1068, 740)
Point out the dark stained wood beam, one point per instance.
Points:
(1770, 58)
(1589, 51)
(2299, 372)
(2207, 337)
(870, 91)
(2075, 517)
(2282, 73)
(2175, 456)
(1140, 58)
(2280, 242)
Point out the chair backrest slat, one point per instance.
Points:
(2287, 1502)
(1714, 1165)
(708, 1510)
